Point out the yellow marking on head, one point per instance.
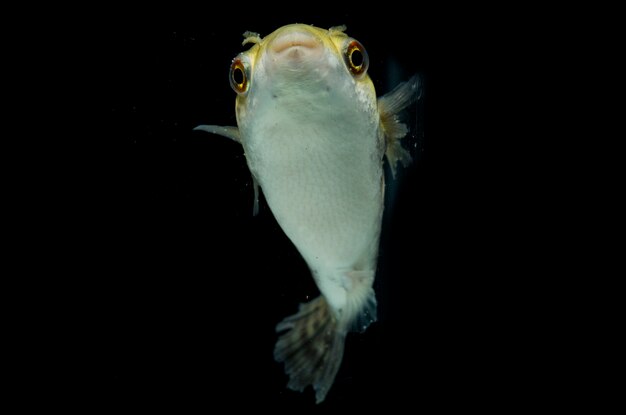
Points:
(333, 39)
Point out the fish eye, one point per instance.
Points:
(356, 58)
(238, 76)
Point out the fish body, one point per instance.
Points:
(314, 136)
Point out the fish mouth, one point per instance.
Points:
(294, 39)
(297, 45)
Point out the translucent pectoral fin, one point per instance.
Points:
(401, 96)
(233, 134)
(230, 132)
(389, 106)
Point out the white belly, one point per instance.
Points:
(320, 169)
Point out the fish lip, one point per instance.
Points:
(293, 39)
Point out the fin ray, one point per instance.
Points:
(389, 106)
(367, 313)
(255, 206)
(233, 134)
(225, 131)
(311, 348)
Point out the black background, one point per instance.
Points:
(183, 287)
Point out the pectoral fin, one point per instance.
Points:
(233, 134)
(230, 132)
(389, 106)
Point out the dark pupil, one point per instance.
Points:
(356, 58)
(238, 76)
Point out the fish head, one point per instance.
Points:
(297, 64)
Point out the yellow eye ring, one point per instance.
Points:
(356, 58)
(238, 76)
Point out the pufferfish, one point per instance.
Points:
(314, 136)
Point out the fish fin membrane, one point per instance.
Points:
(364, 312)
(311, 348)
(389, 106)
(233, 134)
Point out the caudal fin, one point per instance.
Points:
(312, 347)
